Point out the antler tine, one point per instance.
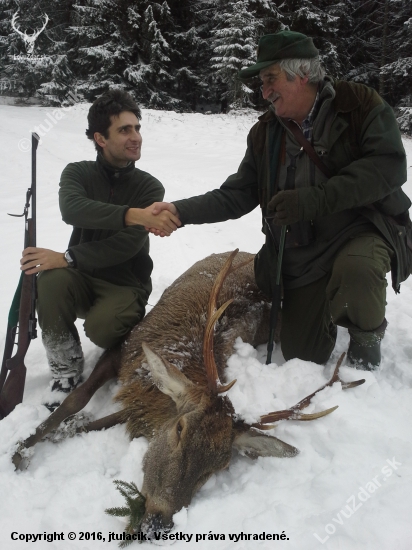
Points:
(13, 21)
(209, 360)
(294, 414)
(212, 317)
(220, 279)
(43, 27)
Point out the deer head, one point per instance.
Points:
(193, 445)
(29, 39)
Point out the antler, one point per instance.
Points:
(36, 34)
(212, 317)
(13, 21)
(294, 412)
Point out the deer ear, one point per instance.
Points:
(254, 444)
(166, 376)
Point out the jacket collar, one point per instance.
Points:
(347, 101)
(268, 116)
(114, 171)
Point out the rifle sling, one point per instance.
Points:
(305, 144)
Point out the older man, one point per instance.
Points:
(341, 201)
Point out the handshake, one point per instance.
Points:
(160, 218)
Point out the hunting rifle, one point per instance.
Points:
(23, 310)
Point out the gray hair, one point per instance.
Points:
(303, 67)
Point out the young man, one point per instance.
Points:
(346, 230)
(104, 275)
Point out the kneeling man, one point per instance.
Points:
(104, 275)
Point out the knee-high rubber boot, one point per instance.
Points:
(66, 361)
(365, 347)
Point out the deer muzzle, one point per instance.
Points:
(154, 525)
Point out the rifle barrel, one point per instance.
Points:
(34, 144)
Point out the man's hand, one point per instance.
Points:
(158, 209)
(285, 206)
(156, 218)
(39, 259)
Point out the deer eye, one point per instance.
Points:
(179, 429)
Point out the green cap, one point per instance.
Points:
(282, 45)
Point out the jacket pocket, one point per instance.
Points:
(408, 245)
(402, 236)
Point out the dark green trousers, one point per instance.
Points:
(109, 311)
(352, 295)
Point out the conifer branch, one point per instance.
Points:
(135, 509)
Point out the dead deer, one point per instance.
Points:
(171, 367)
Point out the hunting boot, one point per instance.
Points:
(66, 361)
(365, 347)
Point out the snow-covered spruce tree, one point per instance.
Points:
(397, 74)
(194, 43)
(373, 42)
(9, 46)
(234, 45)
(332, 40)
(270, 15)
(60, 84)
(151, 76)
(379, 50)
(7, 8)
(190, 80)
(99, 49)
(55, 89)
(189, 53)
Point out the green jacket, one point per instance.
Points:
(94, 197)
(362, 146)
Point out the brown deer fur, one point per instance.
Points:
(174, 330)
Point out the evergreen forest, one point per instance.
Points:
(184, 55)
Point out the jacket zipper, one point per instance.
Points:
(111, 194)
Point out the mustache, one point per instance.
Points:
(272, 97)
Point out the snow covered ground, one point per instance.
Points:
(350, 488)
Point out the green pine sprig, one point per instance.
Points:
(135, 509)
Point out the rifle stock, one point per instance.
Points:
(8, 350)
(13, 370)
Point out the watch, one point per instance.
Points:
(69, 259)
